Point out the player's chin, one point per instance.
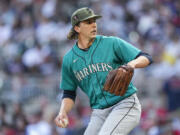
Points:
(93, 35)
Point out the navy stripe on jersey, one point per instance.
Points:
(86, 65)
(96, 72)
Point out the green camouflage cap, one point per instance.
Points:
(83, 14)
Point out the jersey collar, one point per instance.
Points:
(82, 52)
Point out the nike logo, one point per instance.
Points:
(75, 60)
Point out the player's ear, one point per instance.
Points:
(77, 28)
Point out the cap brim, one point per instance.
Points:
(93, 16)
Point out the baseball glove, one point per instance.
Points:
(117, 80)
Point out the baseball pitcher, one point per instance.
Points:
(102, 66)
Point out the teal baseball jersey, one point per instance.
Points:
(88, 69)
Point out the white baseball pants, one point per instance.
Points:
(119, 119)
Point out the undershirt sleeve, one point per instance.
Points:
(69, 94)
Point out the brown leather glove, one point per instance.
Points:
(118, 80)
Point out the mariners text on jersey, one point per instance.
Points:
(98, 67)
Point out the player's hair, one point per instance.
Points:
(72, 34)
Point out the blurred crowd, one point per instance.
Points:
(33, 42)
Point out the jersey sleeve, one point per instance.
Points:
(124, 50)
(67, 79)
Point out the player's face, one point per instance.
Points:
(88, 28)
